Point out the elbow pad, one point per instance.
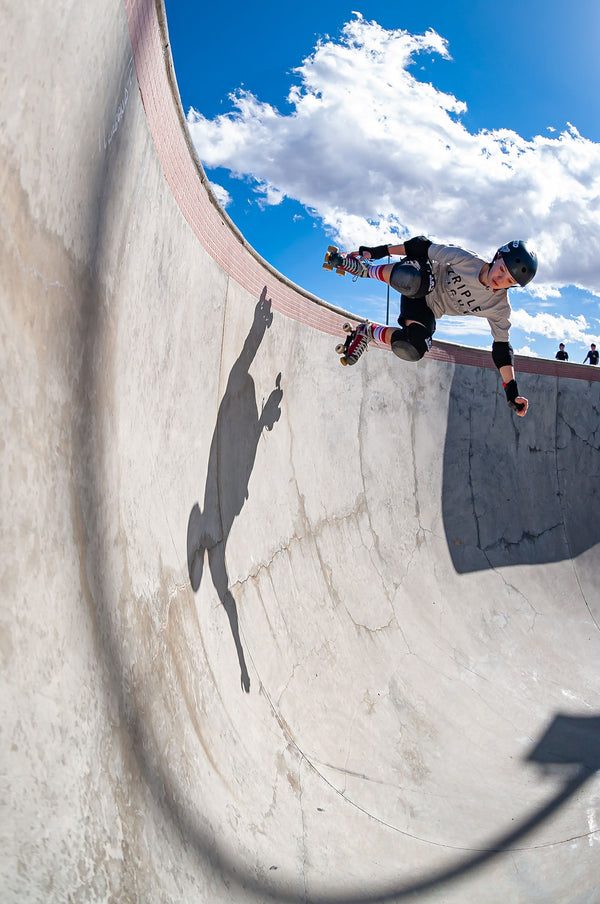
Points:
(417, 248)
(502, 354)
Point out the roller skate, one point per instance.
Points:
(356, 343)
(344, 263)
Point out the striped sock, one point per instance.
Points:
(376, 272)
(378, 332)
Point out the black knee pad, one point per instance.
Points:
(406, 279)
(411, 342)
(412, 278)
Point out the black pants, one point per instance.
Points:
(417, 309)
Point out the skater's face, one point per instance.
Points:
(499, 276)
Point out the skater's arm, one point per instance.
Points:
(376, 252)
(397, 249)
(509, 381)
(517, 402)
(417, 247)
(502, 353)
(507, 373)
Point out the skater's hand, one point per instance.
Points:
(373, 253)
(515, 401)
(520, 405)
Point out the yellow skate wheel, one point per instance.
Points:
(344, 360)
(332, 249)
(340, 348)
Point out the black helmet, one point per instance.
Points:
(520, 263)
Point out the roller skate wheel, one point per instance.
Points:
(347, 327)
(340, 348)
(339, 271)
(344, 360)
(332, 249)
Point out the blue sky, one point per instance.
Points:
(471, 122)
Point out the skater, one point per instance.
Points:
(561, 354)
(441, 279)
(592, 355)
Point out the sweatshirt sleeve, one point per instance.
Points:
(500, 324)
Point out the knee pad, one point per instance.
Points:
(411, 342)
(406, 279)
(414, 279)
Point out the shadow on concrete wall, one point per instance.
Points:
(232, 454)
(520, 491)
(570, 748)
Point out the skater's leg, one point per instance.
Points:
(381, 272)
(410, 342)
(417, 326)
(404, 278)
(413, 339)
(416, 310)
(360, 337)
(393, 337)
(411, 278)
(382, 333)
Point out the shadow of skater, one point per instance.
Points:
(232, 453)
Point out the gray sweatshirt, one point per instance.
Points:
(458, 290)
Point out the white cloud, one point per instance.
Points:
(526, 328)
(454, 328)
(543, 291)
(375, 153)
(527, 351)
(221, 194)
(553, 326)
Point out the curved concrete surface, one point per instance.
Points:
(198, 501)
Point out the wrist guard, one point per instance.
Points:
(512, 392)
(377, 252)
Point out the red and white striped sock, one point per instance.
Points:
(376, 271)
(378, 332)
